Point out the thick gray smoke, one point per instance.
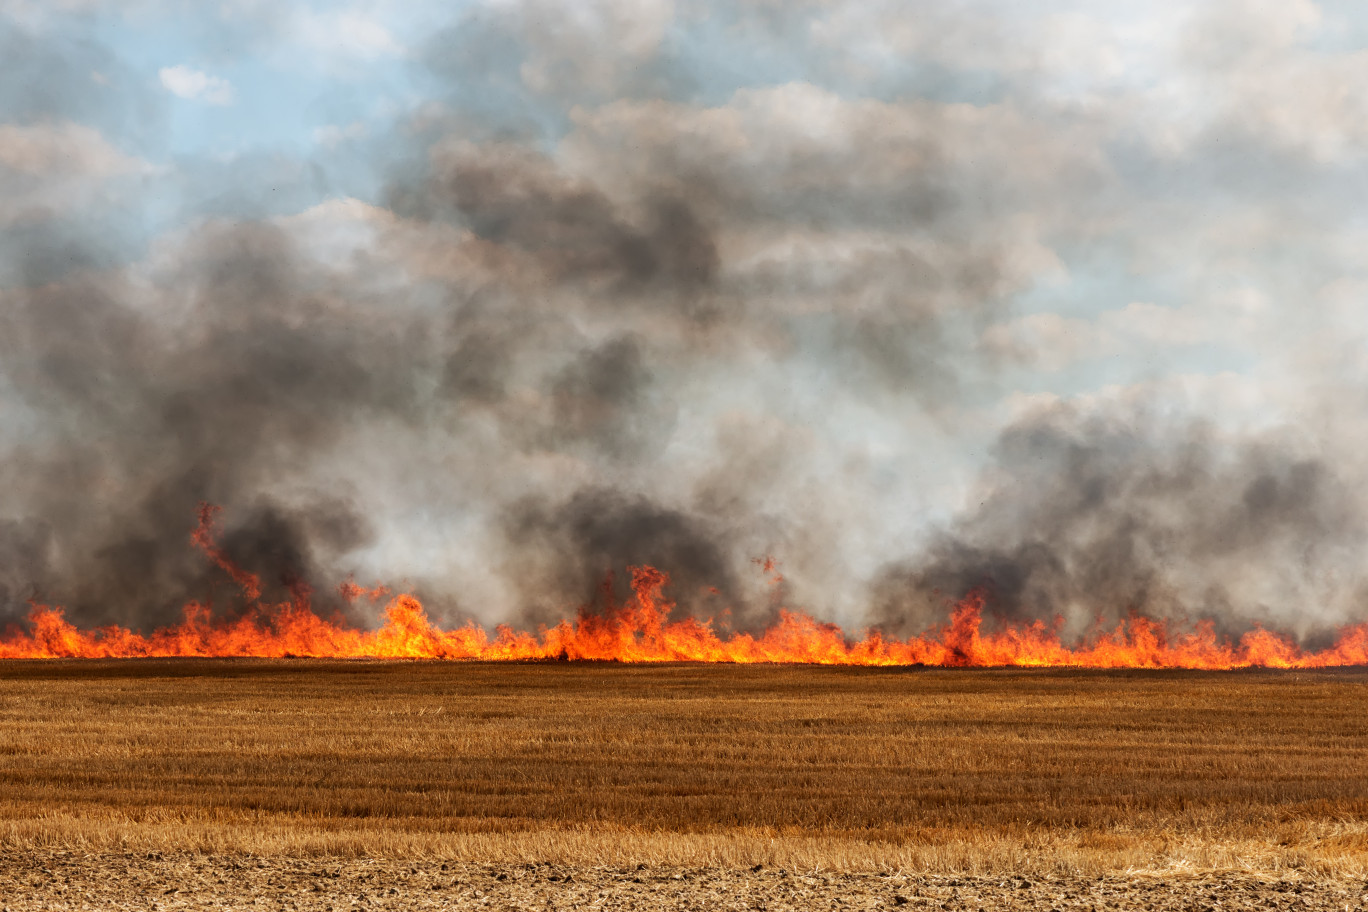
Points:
(145, 401)
(604, 307)
(1095, 517)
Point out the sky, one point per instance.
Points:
(489, 299)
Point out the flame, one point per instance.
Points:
(204, 537)
(640, 631)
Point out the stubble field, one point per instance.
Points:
(823, 772)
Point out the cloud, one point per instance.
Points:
(194, 85)
(549, 54)
(588, 46)
(333, 135)
(43, 150)
(1048, 341)
(366, 37)
(1052, 342)
(347, 34)
(54, 168)
(46, 13)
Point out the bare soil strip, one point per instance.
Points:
(65, 881)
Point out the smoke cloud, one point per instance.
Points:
(586, 299)
(1093, 517)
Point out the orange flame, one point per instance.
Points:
(640, 631)
(203, 538)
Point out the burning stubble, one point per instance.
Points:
(639, 629)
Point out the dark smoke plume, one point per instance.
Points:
(601, 308)
(1096, 517)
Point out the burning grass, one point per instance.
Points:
(842, 768)
(641, 630)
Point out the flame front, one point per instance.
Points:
(640, 631)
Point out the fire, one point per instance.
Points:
(640, 631)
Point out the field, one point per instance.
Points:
(851, 772)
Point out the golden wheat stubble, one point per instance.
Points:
(960, 770)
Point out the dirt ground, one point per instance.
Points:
(67, 880)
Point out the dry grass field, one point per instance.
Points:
(989, 772)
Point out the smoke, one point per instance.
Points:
(201, 386)
(574, 542)
(514, 197)
(1093, 517)
(608, 303)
